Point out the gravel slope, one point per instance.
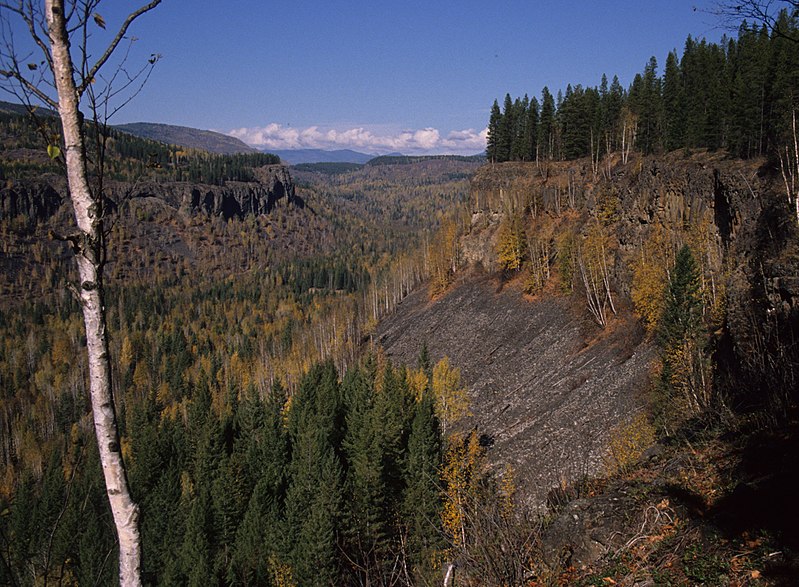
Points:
(546, 384)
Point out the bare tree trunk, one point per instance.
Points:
(89, 248)
(789, 166)
(449, 575)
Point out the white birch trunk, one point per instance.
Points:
(89, 250)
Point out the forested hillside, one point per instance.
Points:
(126, 157)
(213, 320)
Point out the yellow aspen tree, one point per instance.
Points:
(451, 397)
(650, 276)
(417, 382)
(510, 243)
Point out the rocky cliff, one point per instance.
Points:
(738, 209)
(234, 199)
(548, 385)
(40, 199)
(37, 200)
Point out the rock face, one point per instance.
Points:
(36, 201)
(41, 199)
(233, 200)
(742, 209)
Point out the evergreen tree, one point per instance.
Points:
(423, 362)
(682, 313)
(313, 498)
(493, 137)
(673, 104)
(518, 146)
(367, 530)
(693, 88)
(645, 98)
(530, 135)
(748, 85)
(783, 73)
(196, 551)
(546, 125)
(313, 506)
(507, 130)
(612, 109)
(685, 377)
(261, 541)
(422, 504)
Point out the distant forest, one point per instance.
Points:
(737, 95)
(126, 157)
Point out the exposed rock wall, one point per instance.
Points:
(37, 200)
(41, 199)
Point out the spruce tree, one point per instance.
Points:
(546, 125)
(261, 538)
(507, 129)
(530, 137)
(422, 504)
(684, 377)
(673, 116)
(682, 313)
(367, 531)
(493, 138)
(313, 498)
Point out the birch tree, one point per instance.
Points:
(63, 75)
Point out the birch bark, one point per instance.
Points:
(89, 254)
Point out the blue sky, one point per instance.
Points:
(416, 77)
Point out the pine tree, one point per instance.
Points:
(313, 499)
(422, 504)
(493, 138)
(546, 125)
(673, 103)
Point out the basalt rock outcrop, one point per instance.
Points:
(37, 200)
(233, 200)
(741, 207)
(40, 199)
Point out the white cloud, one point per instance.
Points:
(410, 142)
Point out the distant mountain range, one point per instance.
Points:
(298, 156)
(215, 142)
